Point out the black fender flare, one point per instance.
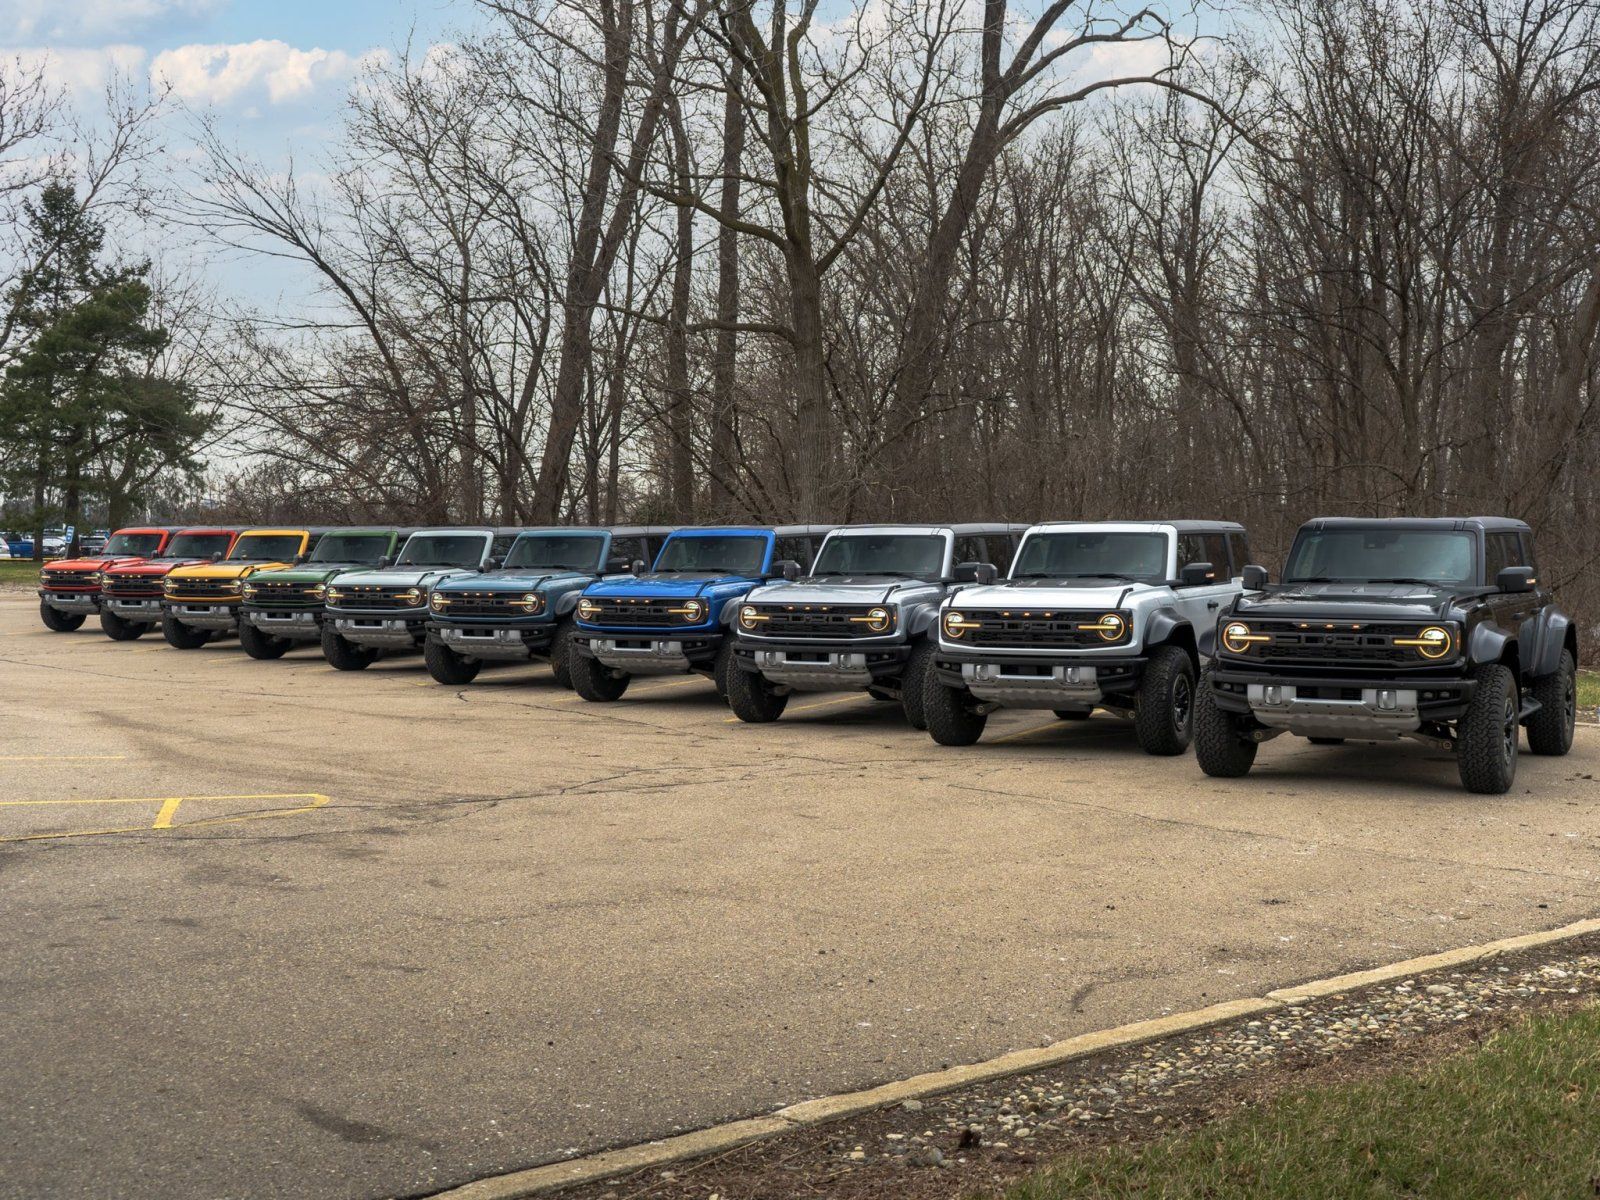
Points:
(1166, 625)
(567, 603)
(1554, 632)
(1488, 643)
(923, 621)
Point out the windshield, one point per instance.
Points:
(1086, 554)
(351, 548)
(443, 550)
(198, 545)
(738, 554)
(132, 543)
(270, 547)
(1380, 553)
(916, 555)
(557, 551)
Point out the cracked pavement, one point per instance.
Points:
(524, 926)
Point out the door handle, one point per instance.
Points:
(1213, 604)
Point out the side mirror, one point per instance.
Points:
(300, 558)
(1255, 578)
(491, 564)
(1515, 579)
(617, 566)
(386, 562)
(216, 556)
(986, 574)
(637, 566)
(1197, 575)
(787, 568)
(974, 572)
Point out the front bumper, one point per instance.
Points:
(1341, 705)
(133, 608)
(85, 603)
(1038, 680)
(198, 615)
(808, 666)
(645, 654)
(386, 632)
(489, 642)
(299, 624)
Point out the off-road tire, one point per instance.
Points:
(1325, 741)
(1550, 729)
(593, 680)
(446, 666)
(1220, 745)
(1488, 733)
(343, 654)
(1163, 715)
(723, 667)
(949, 714)
(120, 629)
(561, 654)
(1073, 714)
(754, 698)
(59, 621)
(179, 636)
(258, 643)
(914, 685)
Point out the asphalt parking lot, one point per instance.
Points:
(327, 935)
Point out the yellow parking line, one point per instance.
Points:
(62, 757)
(808, 707)
(1022, 733)
(164, 817)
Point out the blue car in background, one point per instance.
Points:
(675, 619)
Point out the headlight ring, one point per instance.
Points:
(1432, 643)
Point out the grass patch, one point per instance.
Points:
(1516, 1117)
(1588, 689)
(18, 570)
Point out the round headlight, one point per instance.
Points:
(749, 616)
(319, 591)
(99, 577)
(334, 595)
(410, 596)
(694, 610)
(1111, 627)
(533, 602)
(438, 601)
(1237, 638)
(955, 624)
(1433, 642)
(250, 591)
(587, 609)
(878, 619)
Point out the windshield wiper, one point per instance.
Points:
(1431, 583)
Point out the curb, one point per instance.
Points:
(592, 1168)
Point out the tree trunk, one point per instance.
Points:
(724, 413)
(680, 411)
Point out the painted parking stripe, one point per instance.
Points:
(166, 812)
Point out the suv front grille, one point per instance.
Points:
(289, 594)
(134, 587)
(219, 589)
(1041, 631)
(67, 579)
(628, 613)
(1357, 643)
(379, 596)
(838, 621)
(484, 604)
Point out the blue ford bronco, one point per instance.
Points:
(523, 610)
(863, 619)
(675, 618)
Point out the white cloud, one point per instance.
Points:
(221, 74)
(81, 68)
(96, 20)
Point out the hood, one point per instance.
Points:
(157, 566)
(518, 579)
(228, 568)
(312, 572)
(1374, 601)
(687, 583)
(840, 589)
(92, 564)
(404, 577)
(1048, 593)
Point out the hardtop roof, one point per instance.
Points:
(1182, 526)
(1503, 524)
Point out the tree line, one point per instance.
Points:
(703, 260)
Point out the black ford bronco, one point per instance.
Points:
(1433, 629)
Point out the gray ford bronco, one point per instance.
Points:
(1111, 615)
(862, 620)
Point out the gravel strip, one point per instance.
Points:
(978, 1139)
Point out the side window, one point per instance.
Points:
(1528, 555)
(501, 545)
(1239, 545)
(1216, 548)
(999, 549)
(1191, 549)
(969, 549)
(799, 549)
(628, 549)
(1501, 550)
